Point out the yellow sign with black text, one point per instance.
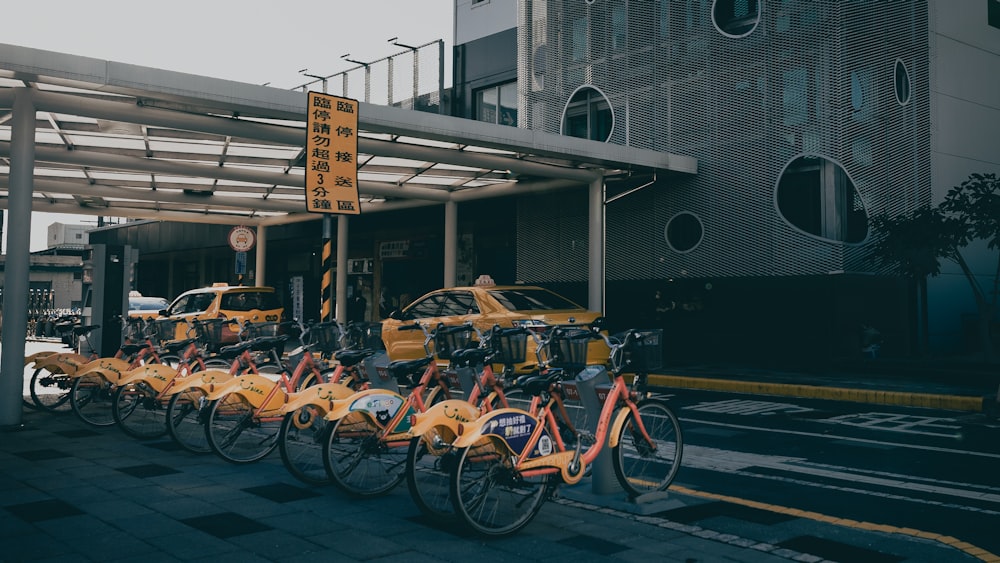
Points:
(332, 155)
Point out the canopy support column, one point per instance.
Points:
(17, 266)
(595, 245)
(341, 296)
(450, 243)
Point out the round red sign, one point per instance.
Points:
(241, 239)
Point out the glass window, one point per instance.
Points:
(902, 79)
(579, 40)
(498, 104)
(588, 116)
(684, 231)
(458, 303)
(795, 96)
(817, 196)
(619, 26)
(532, 299)
(736, 18)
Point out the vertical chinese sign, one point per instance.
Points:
(331, 155)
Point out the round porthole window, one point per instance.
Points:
(684, 232)
(902, 79)
(736, 18)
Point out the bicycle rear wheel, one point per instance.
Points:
(642, 467)
(50, 390)
(138, 412)
(490, 496)
(300, 443)
(186, 414)
(235, 434)
(358, 461)
(91, 398)
(427, 477)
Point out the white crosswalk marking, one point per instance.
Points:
(747, 407)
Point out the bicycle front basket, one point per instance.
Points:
(646, 352)
(164, 330)
(568, 348)
(511, 346)
(325, 337)
(447, 339)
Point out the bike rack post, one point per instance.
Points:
(603, 480)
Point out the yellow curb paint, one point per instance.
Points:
(950, 402)
(964, 546)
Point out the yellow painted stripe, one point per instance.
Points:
(846, 522)
(902, 398)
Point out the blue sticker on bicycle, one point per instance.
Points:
(514, 428)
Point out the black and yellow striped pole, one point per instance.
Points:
(326, 299)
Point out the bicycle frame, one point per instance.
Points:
(535, 442)
(264, 394)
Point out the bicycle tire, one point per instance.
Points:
(428, 470)
(300, 442)
(138, 412)
(186, 413)
(50, 390)
(358, 462)
(212, 363)
(639, 468)
(91, 398)
(490, 496)
(235, 434)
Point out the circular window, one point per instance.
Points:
(736, 18)
(588, 115)
(902, 79)
(816, 196)
(684, 231)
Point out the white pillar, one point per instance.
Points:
(18, 263)
(341, 269)
(260, 271)
(595, 245)
(450, 243)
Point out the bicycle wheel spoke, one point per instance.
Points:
(648, 461)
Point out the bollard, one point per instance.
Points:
(603, 480)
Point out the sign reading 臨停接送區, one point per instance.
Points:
(331, 155)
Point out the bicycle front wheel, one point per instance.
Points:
(358, 461)
(50, 390)
(186, 413)
(300, 442)
(235, 434)
(138, 412)
(91, 397)
(643, 464)
(490, 496)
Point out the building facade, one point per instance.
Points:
(807, 118)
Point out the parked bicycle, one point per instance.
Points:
(511, 460)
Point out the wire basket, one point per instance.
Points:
(568, 349)
(645, 353)
(209, 331)
(510, 346)
(253, 330)
(447, 339)
(135, 329)
(325, 337)
(164, 330)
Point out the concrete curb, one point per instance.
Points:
(928, 400)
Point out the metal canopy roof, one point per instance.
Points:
(120, 140)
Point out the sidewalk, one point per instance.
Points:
(70, 492)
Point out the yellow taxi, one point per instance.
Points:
(486, 305)
(140, 306)
(248, 304)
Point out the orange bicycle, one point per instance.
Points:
(510, 461)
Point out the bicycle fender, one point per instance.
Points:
(65, 362)
(321, 396)
(38, 356)
(110, 369)
(253, 387)
(156, 376)
(448, 414)
(615, 430)
(513, 427)
(378, 404)
(204, 380)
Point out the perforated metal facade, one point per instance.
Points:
(814, 78)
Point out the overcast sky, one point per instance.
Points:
(251, 41)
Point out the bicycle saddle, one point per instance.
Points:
(348, 358)
(404, 370)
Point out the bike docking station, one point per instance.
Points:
(600, 486)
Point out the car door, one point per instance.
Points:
(450, 307)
